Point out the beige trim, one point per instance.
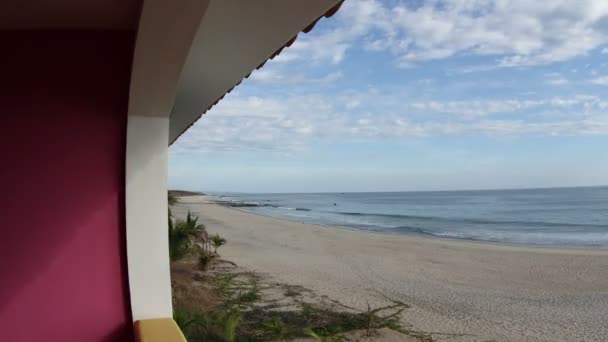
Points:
(158, 330)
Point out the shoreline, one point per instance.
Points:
(461, 290)
(557, 248)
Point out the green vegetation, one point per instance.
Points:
(217, 241)
(204, 258)
(244, 312)
(213, 326)
(231, 324)
(248, 296)
(277, 329)
(172, 199)
(182, 234)
(183, 318)
(320, 338)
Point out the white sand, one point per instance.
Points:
(482, 291)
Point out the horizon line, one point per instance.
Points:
(396, 191)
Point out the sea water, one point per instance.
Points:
(551, 217)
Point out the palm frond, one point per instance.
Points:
(172, 199)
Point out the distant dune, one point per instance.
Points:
(184, 193)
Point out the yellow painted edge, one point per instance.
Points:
(158, 330)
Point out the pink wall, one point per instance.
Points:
(63, 103)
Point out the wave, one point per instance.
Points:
(244, 204)
(471, 220)
(587, 239)
(289, 208)
(438, 219)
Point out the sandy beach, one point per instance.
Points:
(459, 291)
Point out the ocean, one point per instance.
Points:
(549, 217)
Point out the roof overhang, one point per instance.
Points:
(190, 53)
(234, 38)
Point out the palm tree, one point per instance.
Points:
(178, 240)
(231, 324)
(278, 328)
(217, 241)
(181, 234)
(172, 199)
(192, 223)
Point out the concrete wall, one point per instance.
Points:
(63, 107)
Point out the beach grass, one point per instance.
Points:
(270, 311)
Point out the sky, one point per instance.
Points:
(416, 95)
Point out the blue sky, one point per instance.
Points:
(416, 95)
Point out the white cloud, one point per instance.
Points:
(602, 80)
(292, 123)
(273, 77)
(471, 109)
(557, 81)
(516, 32)
(555, 78)
(354, 20)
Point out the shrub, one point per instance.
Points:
(172, 199)
(277, 328)
(181, 234)
(208, 326)
(182, 318)
(217, 241)
(204, 258)
(231, 323)
(248, 296)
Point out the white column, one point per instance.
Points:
(146, 217)
(165, 33)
